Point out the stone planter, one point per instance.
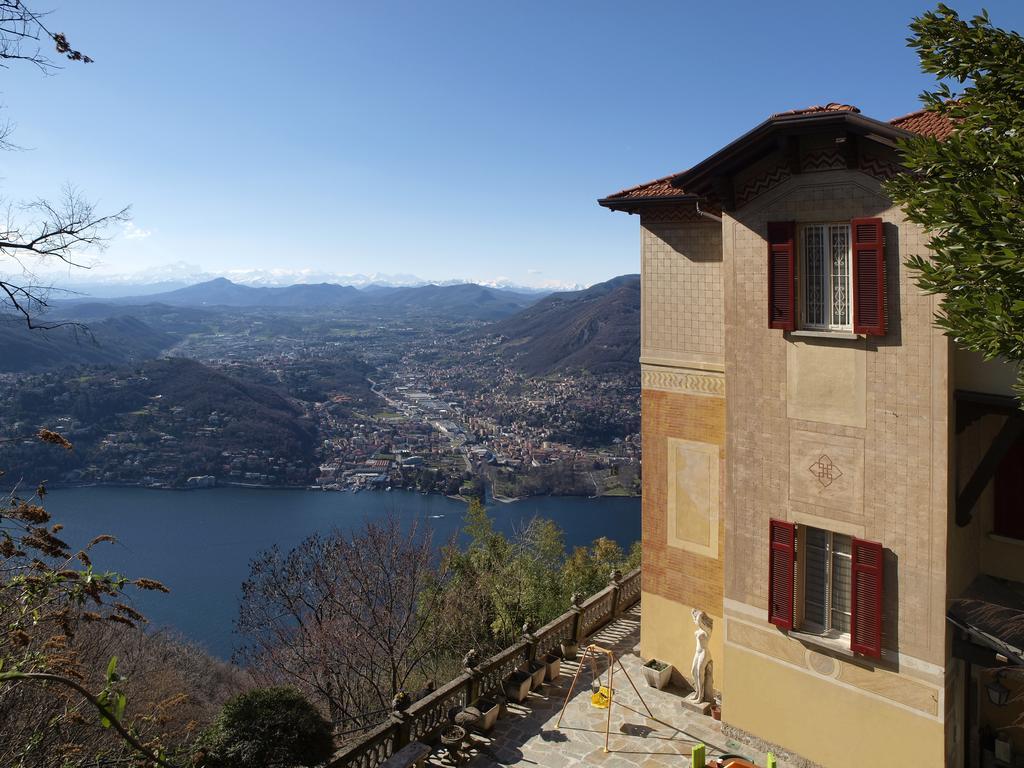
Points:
(569, 650)
(489, 711)
(553, 662)
(657, 673)
(537, 670)
(518, 686)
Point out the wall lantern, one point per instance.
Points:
(998, 693)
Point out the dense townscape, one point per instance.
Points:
(334, 400)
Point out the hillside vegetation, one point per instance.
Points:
(597, 329)
(163, 421)
(116, 340)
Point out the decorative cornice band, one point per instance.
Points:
(683, 381)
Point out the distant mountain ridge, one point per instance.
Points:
(596, 329)
(221, 292)
(467, 300)
(168, 277)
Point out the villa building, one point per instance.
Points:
(825, 474)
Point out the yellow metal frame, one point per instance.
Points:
(591, 652)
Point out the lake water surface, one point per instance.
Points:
(199, 543)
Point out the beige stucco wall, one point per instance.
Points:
(888, 426)
(681, 292)
(683, 425)
(976, 374)
(829, 722)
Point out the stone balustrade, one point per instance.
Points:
(423, 719)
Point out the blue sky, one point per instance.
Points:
(442, 139)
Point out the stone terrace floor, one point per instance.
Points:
(527, 735)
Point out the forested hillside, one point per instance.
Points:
(597, 329)
(163, 421)
(115, 340)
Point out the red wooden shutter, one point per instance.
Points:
(782, 275)
(781, 569)
(868, 277)
(866, 598)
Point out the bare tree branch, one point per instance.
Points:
(22, 33)
(102, 708)
(45, 230)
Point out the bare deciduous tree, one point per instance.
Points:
(41, 232)
(346, 619)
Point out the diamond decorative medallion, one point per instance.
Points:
(825, 471)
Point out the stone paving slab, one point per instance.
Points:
(527, 735)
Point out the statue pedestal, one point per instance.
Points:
(700, 707)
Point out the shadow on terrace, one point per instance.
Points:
(527, 734)
(504, 710)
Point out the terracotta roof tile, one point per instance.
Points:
(658, 188)
(832, 106)
(926, 123)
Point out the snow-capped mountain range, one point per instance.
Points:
(181, 274)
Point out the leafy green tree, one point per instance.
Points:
(587, 569)
(968, 190)
(267, 728)
(499, 583)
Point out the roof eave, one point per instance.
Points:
(732, 154)
(636, 204)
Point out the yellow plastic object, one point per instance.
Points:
(602, 699)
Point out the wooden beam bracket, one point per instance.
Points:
(1009, 433)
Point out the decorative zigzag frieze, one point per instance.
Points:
(689, 382)
(822, 160)
(761, 184)
(879, 168)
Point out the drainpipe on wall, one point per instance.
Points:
(707, 215)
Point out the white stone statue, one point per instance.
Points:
(703, 687)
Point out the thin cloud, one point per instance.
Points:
(132, 232)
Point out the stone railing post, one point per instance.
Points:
(471, 662)
(615, 582)
(401, 719)
(531, 640)
(577, 623)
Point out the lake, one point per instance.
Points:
(199, 543)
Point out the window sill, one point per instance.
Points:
(839, 645)
(835, 643)
(844, 335)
